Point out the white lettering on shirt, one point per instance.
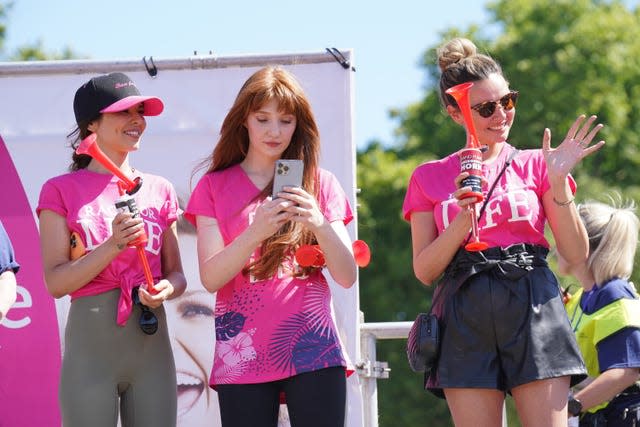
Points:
(518, 198)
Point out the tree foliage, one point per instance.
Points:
(37, 52)
(566, 57)
(4, 9)
(34, 51)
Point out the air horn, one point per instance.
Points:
(471, 162)
(125, 203)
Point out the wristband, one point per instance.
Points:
(561, 204)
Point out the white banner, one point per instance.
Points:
(36, 114)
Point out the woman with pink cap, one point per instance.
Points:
(117, 356)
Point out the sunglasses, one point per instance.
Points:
(508, 102)
(148, 321)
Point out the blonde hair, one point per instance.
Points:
(613, 238)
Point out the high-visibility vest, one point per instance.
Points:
(592, 328)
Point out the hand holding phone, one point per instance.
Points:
(288, 173)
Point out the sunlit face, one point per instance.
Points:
(120, 132)
(270, 130)
(493, 129)
(190, 319)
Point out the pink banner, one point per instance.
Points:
(29, 338)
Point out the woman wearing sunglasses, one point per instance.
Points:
(117, 354)
(504, 327)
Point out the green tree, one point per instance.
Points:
(4, 8)
(34, 51)
(37, 52)
(566, 57)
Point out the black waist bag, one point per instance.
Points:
(423, 343)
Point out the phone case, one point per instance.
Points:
(288, 172)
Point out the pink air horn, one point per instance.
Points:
(125, 203)
(470, 161)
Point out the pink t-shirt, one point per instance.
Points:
(270, 329)
(86, 200)
(514, 214)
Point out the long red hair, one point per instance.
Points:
(267, 84)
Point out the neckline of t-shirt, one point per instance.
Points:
(245, 176)
(134, 173)
(499, 160)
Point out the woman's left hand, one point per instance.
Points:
(305, 208)
(164, 290)
(576, 145)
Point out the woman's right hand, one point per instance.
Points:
(269, 217)
(126, 229)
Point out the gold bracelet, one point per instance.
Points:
(561, 204)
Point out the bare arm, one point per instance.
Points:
(568, 231)
(219, 263)
(607, 386)
(335, 243)
(432, 253)
(64, 275)
(8, 288)
(567, 228)
(331, 236)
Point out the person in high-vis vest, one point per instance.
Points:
(605, 315)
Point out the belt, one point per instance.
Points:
(511, 263)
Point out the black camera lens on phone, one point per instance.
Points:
(283, 169)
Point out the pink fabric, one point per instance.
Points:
(152, 106)
(276, 328)
(86, 199)
(29, 339)
(516, 200)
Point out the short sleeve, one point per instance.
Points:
(415, 199)
(51, 199)
(201, 201)
(620, 350)
(333, 200)
(7, 256)
(173, 205)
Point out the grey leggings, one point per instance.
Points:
(109, 369)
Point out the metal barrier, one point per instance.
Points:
(371, 369)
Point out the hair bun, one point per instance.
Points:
(454, 51)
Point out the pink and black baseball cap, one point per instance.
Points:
(111, 93)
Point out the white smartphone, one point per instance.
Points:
(288, 173)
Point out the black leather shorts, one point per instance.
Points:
(499, 333)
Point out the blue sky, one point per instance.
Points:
(387, 38)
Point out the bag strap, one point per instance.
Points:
(493, 186)
(513, 154)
